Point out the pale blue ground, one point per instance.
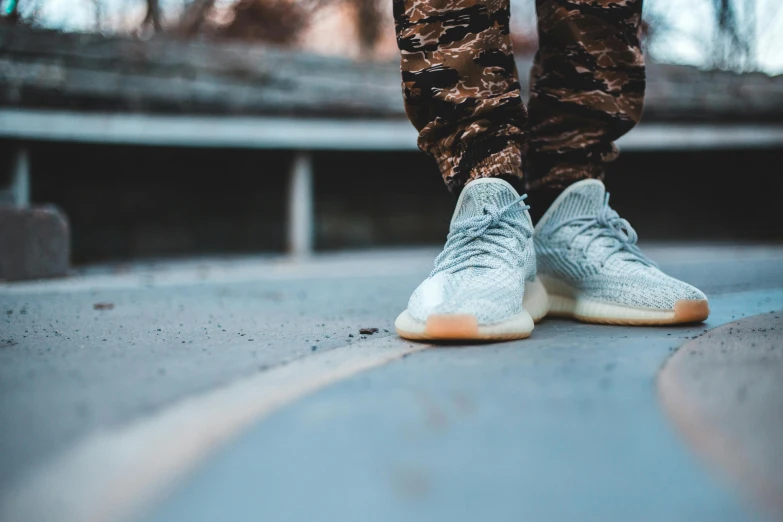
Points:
(563, 426)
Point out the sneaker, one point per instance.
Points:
(593, 271)
(477, 287)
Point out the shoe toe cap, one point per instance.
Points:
(655, 290)
(674, 291)
(489, 304)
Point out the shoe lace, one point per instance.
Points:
(606, 223)
(473, 238)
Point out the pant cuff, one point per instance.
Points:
(476, 162)
(561, 176)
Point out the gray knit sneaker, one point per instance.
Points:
(477, 287)
(590, 265)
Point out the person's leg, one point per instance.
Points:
(462, 94)
(460, 86)
(588, 90)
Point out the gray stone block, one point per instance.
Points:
(35, 243)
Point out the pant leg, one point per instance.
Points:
(587, 88)
(460, 86)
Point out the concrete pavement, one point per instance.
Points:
(561, 425)
(564, 427)
(68, 369)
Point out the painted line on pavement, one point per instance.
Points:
(113, 475)
(687, 386)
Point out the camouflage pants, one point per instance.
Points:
(462, 91)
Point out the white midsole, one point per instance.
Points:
(536, 300)
(535, 306)
(565, 300)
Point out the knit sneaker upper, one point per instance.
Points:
(487, 257)
(582, 242)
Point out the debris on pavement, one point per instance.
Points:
(368, 331)
(103, 306)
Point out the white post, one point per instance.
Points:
(20, 178)
(300, 206)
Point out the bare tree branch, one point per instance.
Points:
(369, 19)
(194, 16)
(735, 34)
(12, 12)
(153, 15)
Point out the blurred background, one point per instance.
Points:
(198, 127)
(176, 155)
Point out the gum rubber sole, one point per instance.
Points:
(462, 327)
(590, 311)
